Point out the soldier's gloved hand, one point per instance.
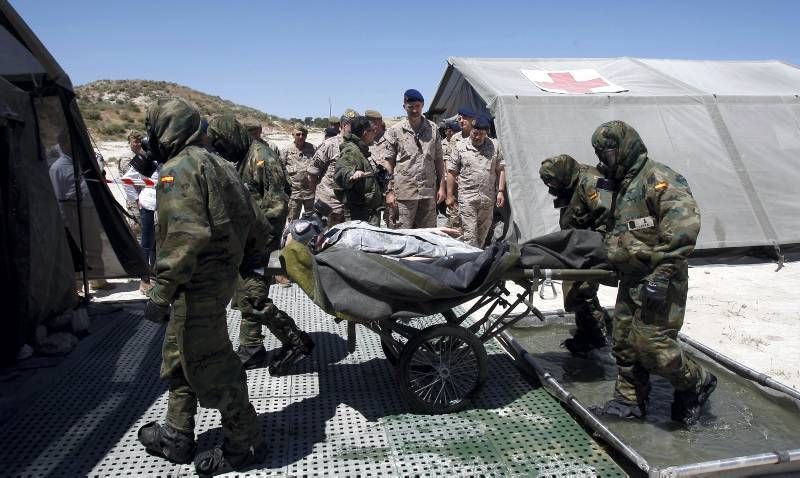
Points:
(158, 314)
(655, 290)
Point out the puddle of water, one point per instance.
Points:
(742, 419)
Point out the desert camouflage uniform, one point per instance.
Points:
(652, 231)
(453, 216)
(477, 169)
(296, 162)
(263, 175)
(204, 222)
(414, 156)
(363, 199)
(583, 205)
(322, 166)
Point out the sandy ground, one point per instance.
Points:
(747, 312)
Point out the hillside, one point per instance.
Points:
(113, 107)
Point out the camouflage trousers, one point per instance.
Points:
(476, 219)
(416, 213)
(200, 366)
(298, 205)
(591, 319)
(258, 310)
(645, 340)
(372, 216)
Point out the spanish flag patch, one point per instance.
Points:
(661, 186)
(593, 196)
(260, 163)
(167, 180)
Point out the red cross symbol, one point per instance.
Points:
(567, 82)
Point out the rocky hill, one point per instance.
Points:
(113, 107)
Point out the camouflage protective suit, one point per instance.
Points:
(582, 205)
(362, 199)
(204, 231)
(263, 175)
(652, 230)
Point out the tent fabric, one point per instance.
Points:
(53, 232)
(731, 128)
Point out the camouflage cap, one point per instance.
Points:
(135, 133)
(349, 115)
(373, 115)
(251, 124)
(300, 127)
(334, 120)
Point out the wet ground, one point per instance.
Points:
(741, 419)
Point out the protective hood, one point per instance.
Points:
(630, 148)
(560, 174)
(229, 137)
(175, 123)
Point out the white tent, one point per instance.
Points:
(731, 128)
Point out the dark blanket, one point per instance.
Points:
(355, 285)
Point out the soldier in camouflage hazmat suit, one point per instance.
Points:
(356, 186)
(583, 204)
(264, 176)
(205, 220)
(652, 230)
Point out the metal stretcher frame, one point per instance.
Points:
(441, 368)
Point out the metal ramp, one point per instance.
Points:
(338, 415)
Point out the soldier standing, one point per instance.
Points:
(479, 167)
(262, 174)
(202, 239)
(296, 158)
(355, 174)
(584, 203)
(320, 172)
(652, 230)
(255, 130)
(413, 154)
(377, 150)
(466, 118)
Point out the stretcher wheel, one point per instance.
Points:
(441, 368)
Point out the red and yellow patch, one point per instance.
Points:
(593, 195)
(661, 186)
(260, 163)
(167, 180)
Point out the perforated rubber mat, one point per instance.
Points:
(337, 415)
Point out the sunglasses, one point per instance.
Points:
(299, 134)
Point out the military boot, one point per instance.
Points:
(619, 408)
(252, 356)
(297, 347)
(687, 405)
(216, 461)
(167, 442)
(588, 335)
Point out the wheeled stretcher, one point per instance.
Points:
(440, 367)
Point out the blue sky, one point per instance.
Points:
(287, 58)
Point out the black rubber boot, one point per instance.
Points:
(582, 343)
(216, 461)
(299, 346)
(687, 405)
(619, 408)
(252, 356)
(167, 442)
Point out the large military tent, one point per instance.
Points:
(48, 232)
(732, 128)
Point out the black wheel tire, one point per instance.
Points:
(427, 364)
(390, 354)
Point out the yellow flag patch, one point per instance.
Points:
(168, 179)
(661, 186)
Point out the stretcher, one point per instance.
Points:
(440, 368)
